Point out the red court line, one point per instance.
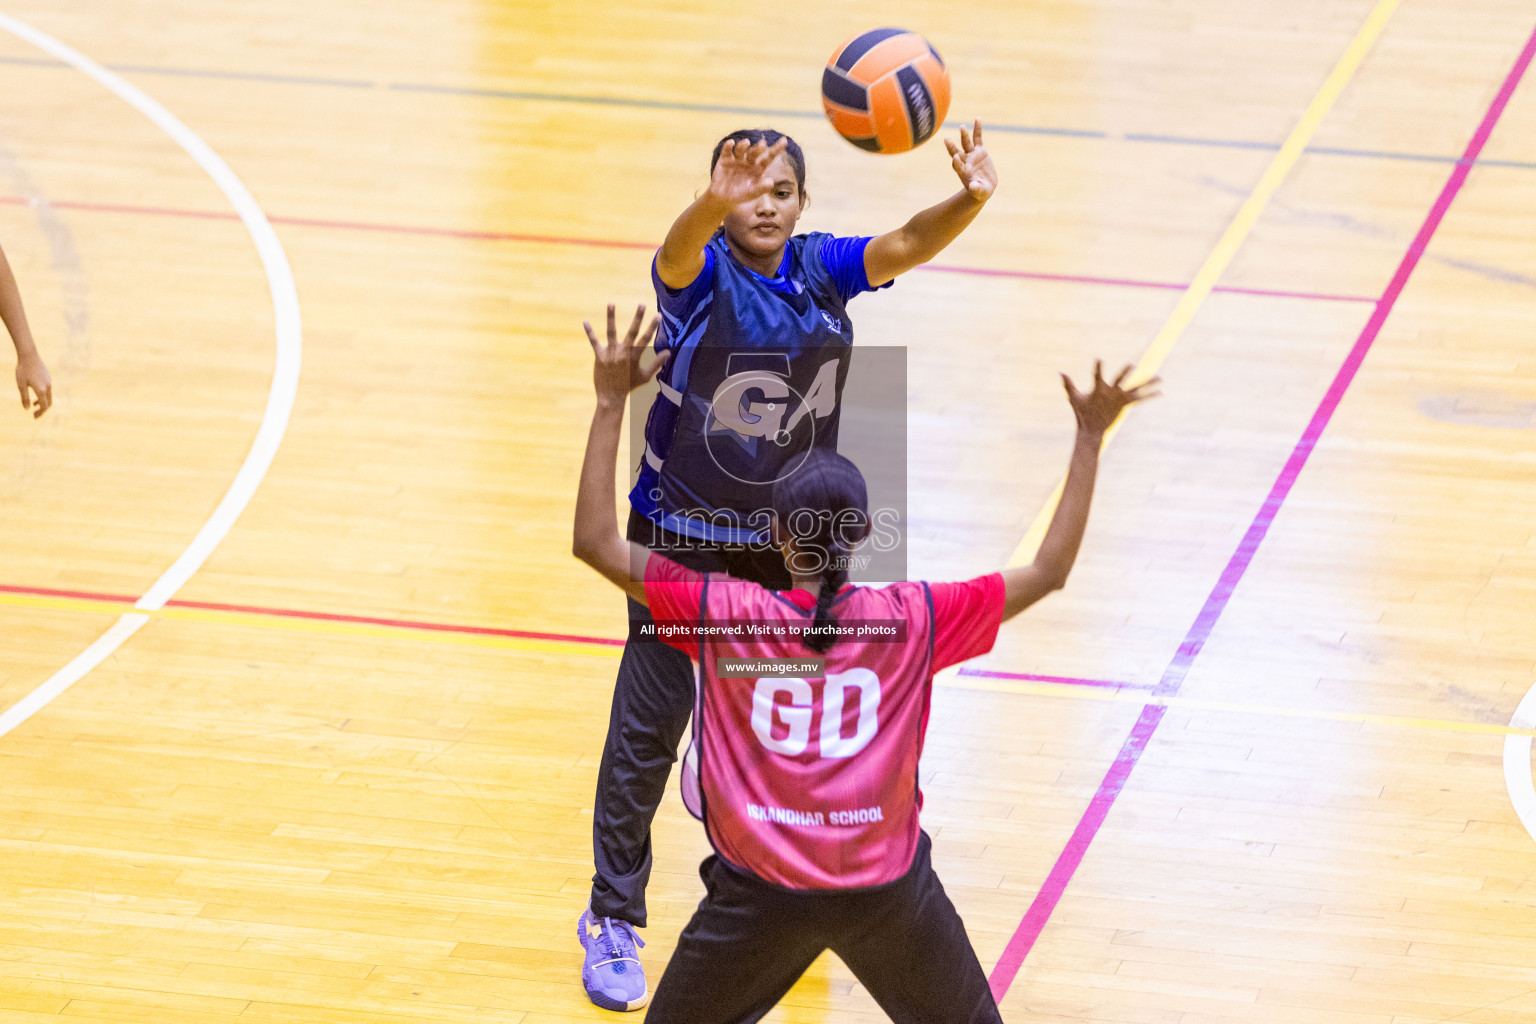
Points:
(1103, 684)
(448, 627)
(340, 225)
(609, 243)
(1178, 668)
(78, 595)
(291, 613)
(483, 236)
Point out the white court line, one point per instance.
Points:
(285, 374)
(1517, 763)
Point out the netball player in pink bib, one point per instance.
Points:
(808, 783)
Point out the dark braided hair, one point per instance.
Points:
(824, 507)
(769, 137)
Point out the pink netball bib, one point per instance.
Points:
(811, 783)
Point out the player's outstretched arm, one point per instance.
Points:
(30, 371)
(1095, 411)
(740, 175)
(616, 371)
(925, 235)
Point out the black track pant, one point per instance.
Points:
(749, 941)
(652, 701)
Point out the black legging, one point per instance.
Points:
(750, 941)
(652, 701)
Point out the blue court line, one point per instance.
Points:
(1191, 140)
(1034, 129)
(247, 76)
(1374, 154)
(1433, 158)
(604, 101)
(241, 76)
(764, 112)
(698, 108)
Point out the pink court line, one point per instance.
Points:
(609, 243)
(1127, 282)
(1056, 882)
(290, 613)
(1101, 684)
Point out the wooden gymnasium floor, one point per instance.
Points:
(279, 800)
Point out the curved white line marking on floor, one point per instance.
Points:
(1517, 763)
(285, 374)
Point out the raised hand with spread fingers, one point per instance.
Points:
(742, 172)
(973, 164)
(1098, 408)
(616, 365)
(926, 234)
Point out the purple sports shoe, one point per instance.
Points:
(612, 973)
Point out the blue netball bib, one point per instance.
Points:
(751, 392)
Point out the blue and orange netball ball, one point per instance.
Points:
(886, 90)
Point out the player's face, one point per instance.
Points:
(762, 225)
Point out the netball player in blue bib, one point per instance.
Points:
(756, 332)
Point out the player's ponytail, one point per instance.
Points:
(832, 580)
(824, 508)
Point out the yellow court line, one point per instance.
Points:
(1142, 698)
(1231, 240)
(66, 604)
